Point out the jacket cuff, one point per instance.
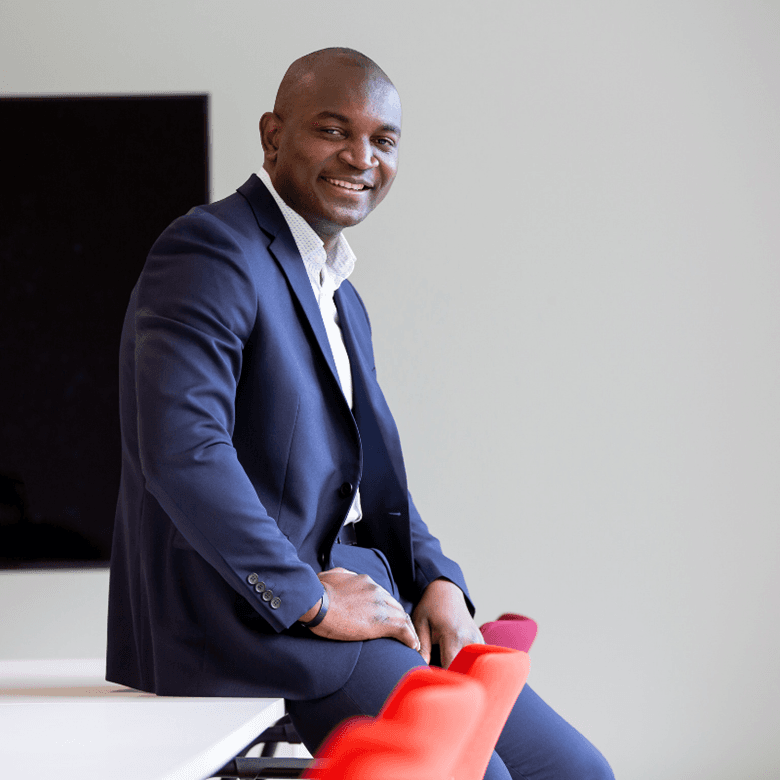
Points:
(452, 573)
(281, 601)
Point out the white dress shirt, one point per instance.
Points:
(325, 273)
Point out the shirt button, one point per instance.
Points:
(345, 490)
(276, 602)
(260, 587)
(268, 595)
(252, 578)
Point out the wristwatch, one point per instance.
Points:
(320, 616)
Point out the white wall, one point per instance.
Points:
(53, 613)
(574, 292)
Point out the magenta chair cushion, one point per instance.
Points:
(510, 630)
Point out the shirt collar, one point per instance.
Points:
(339, 266)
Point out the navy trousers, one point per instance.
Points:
(536, 743)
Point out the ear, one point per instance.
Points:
(270, 124)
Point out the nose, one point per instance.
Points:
(359, 153)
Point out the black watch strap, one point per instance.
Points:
(320, 616)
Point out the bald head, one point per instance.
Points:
(326, 65)
(331, 142)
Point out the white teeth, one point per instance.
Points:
(345, 184)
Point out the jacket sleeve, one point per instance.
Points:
(196, 307)
(430, 562)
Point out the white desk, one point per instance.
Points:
(62, 719)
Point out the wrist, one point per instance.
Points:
(443, 585)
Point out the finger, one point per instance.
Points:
(424, 635)
(407, 634)
(414, 632)
(448, 649)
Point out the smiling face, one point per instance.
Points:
(331, 145)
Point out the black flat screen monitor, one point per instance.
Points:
(88, 183)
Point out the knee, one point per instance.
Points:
(591, 765)
(584, 762)
(578, 760)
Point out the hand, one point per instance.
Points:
(442, 617)
(360, 609)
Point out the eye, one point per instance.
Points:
(334, 131)
(388, 143)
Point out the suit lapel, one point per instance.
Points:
(383, 477)
(373, 417)
(285, 251)
(375, 423)
(383, 491)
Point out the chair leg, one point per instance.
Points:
(269, 750)
(282, 731)
(269, 768)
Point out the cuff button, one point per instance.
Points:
(276, 603)
(260, 587)
(268, 595)
(252, 578)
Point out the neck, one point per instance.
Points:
(329, 239)
(330, 243)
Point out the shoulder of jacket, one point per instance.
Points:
(230, 219)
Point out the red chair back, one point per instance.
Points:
(418, 735)
(436, 725)
(502, 672)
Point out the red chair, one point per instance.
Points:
(436, 725)
(418, 735)
(502, 672)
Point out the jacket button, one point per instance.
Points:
(345, 490)
(276, 602)
(252, 578)
(268, 595)
(260, 587)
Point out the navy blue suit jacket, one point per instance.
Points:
(241, 457)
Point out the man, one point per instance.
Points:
(266, 543)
